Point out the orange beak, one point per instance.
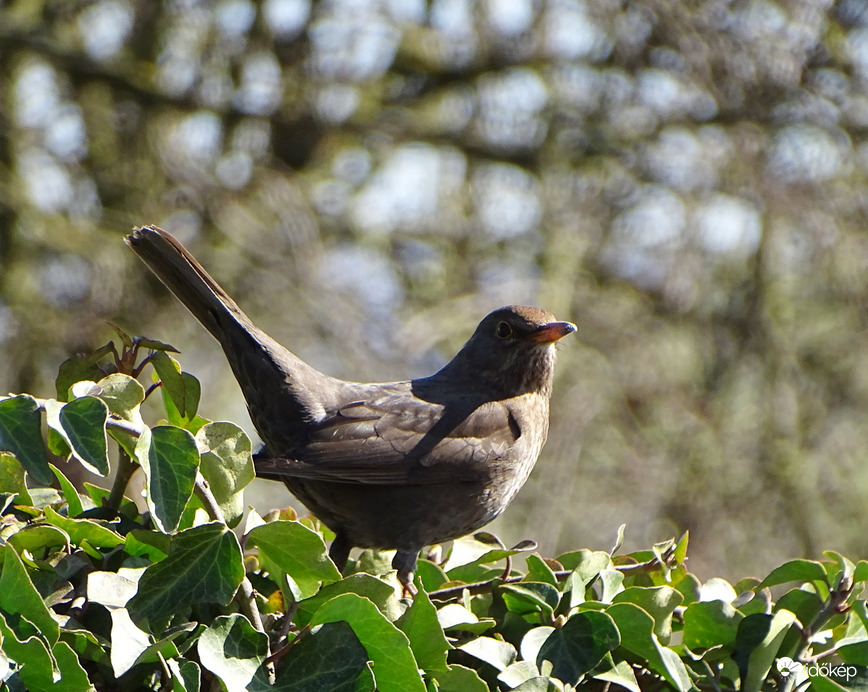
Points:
(551, 332)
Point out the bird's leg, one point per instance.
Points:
(405, 562)
(339, 551)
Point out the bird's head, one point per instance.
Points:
(512, 350)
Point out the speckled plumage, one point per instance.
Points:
(395, 465)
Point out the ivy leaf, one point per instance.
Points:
(227, 465)
(37, 667)
(422, 627)
(291, 548)
(710, 623)
(658, 601)
(70, 494)
(203, 566)
(579, 645)
(154, 345)
(36, 537)
(375, 590)
(757, 644)
(232, 650)
(19, 596)
(331, 658)
(80, 530)
(529, 596)
(795, 570)
(170, 459)
(457, 678)
(174, 385)
(395, 668)
(81, 423)
(78, 368)
(192, 393)
(636, 627)
(21, 434)
(12, 479)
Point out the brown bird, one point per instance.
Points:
(399, 465)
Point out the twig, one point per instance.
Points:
(836, 605)
(125, 471)
(561, 575)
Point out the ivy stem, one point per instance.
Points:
(126, 469)
(836, 604)
(246, 597)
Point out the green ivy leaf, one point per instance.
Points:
(690, 587)
(78, 368)
(232, 650)
(805, 605)
(19, 596)
(620, 672)
(422, 627)
(795, 570)
(128, 641)
(331, 658)
(186, 676)
(586, 563)
(38, 670)
(538, 570)
(533, 641)
(457, 678)
(474, 570)
(454, 616)
(192, 394)
(637, 636)
(81, 423)
(529, 596)
(21, 434)
(150, 544)
(519, 673)
(38, 537)
(395, 668)
(154, 345)
(431, 574)
(658, 601)
(110, 589)
(296, 551)
(70, 494)
(123, 395)
(204, 565)
(227, 465)
(611, 580)
(495, 652)
(80, 530)
(170, 459)
(180, 394)
(579, 645)
(710, 623)
(73, 677)
(12, 479)
(860, 573)
(757, 644)
(375, 590)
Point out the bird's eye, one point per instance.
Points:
(503, 330)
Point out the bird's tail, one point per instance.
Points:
(282, 391)
(187, 279)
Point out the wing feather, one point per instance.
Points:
(400, 440)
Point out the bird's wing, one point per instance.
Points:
(400, 440)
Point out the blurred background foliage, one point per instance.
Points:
(686, 181)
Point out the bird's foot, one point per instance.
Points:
(405, 562)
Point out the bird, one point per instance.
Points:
(395, 465)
